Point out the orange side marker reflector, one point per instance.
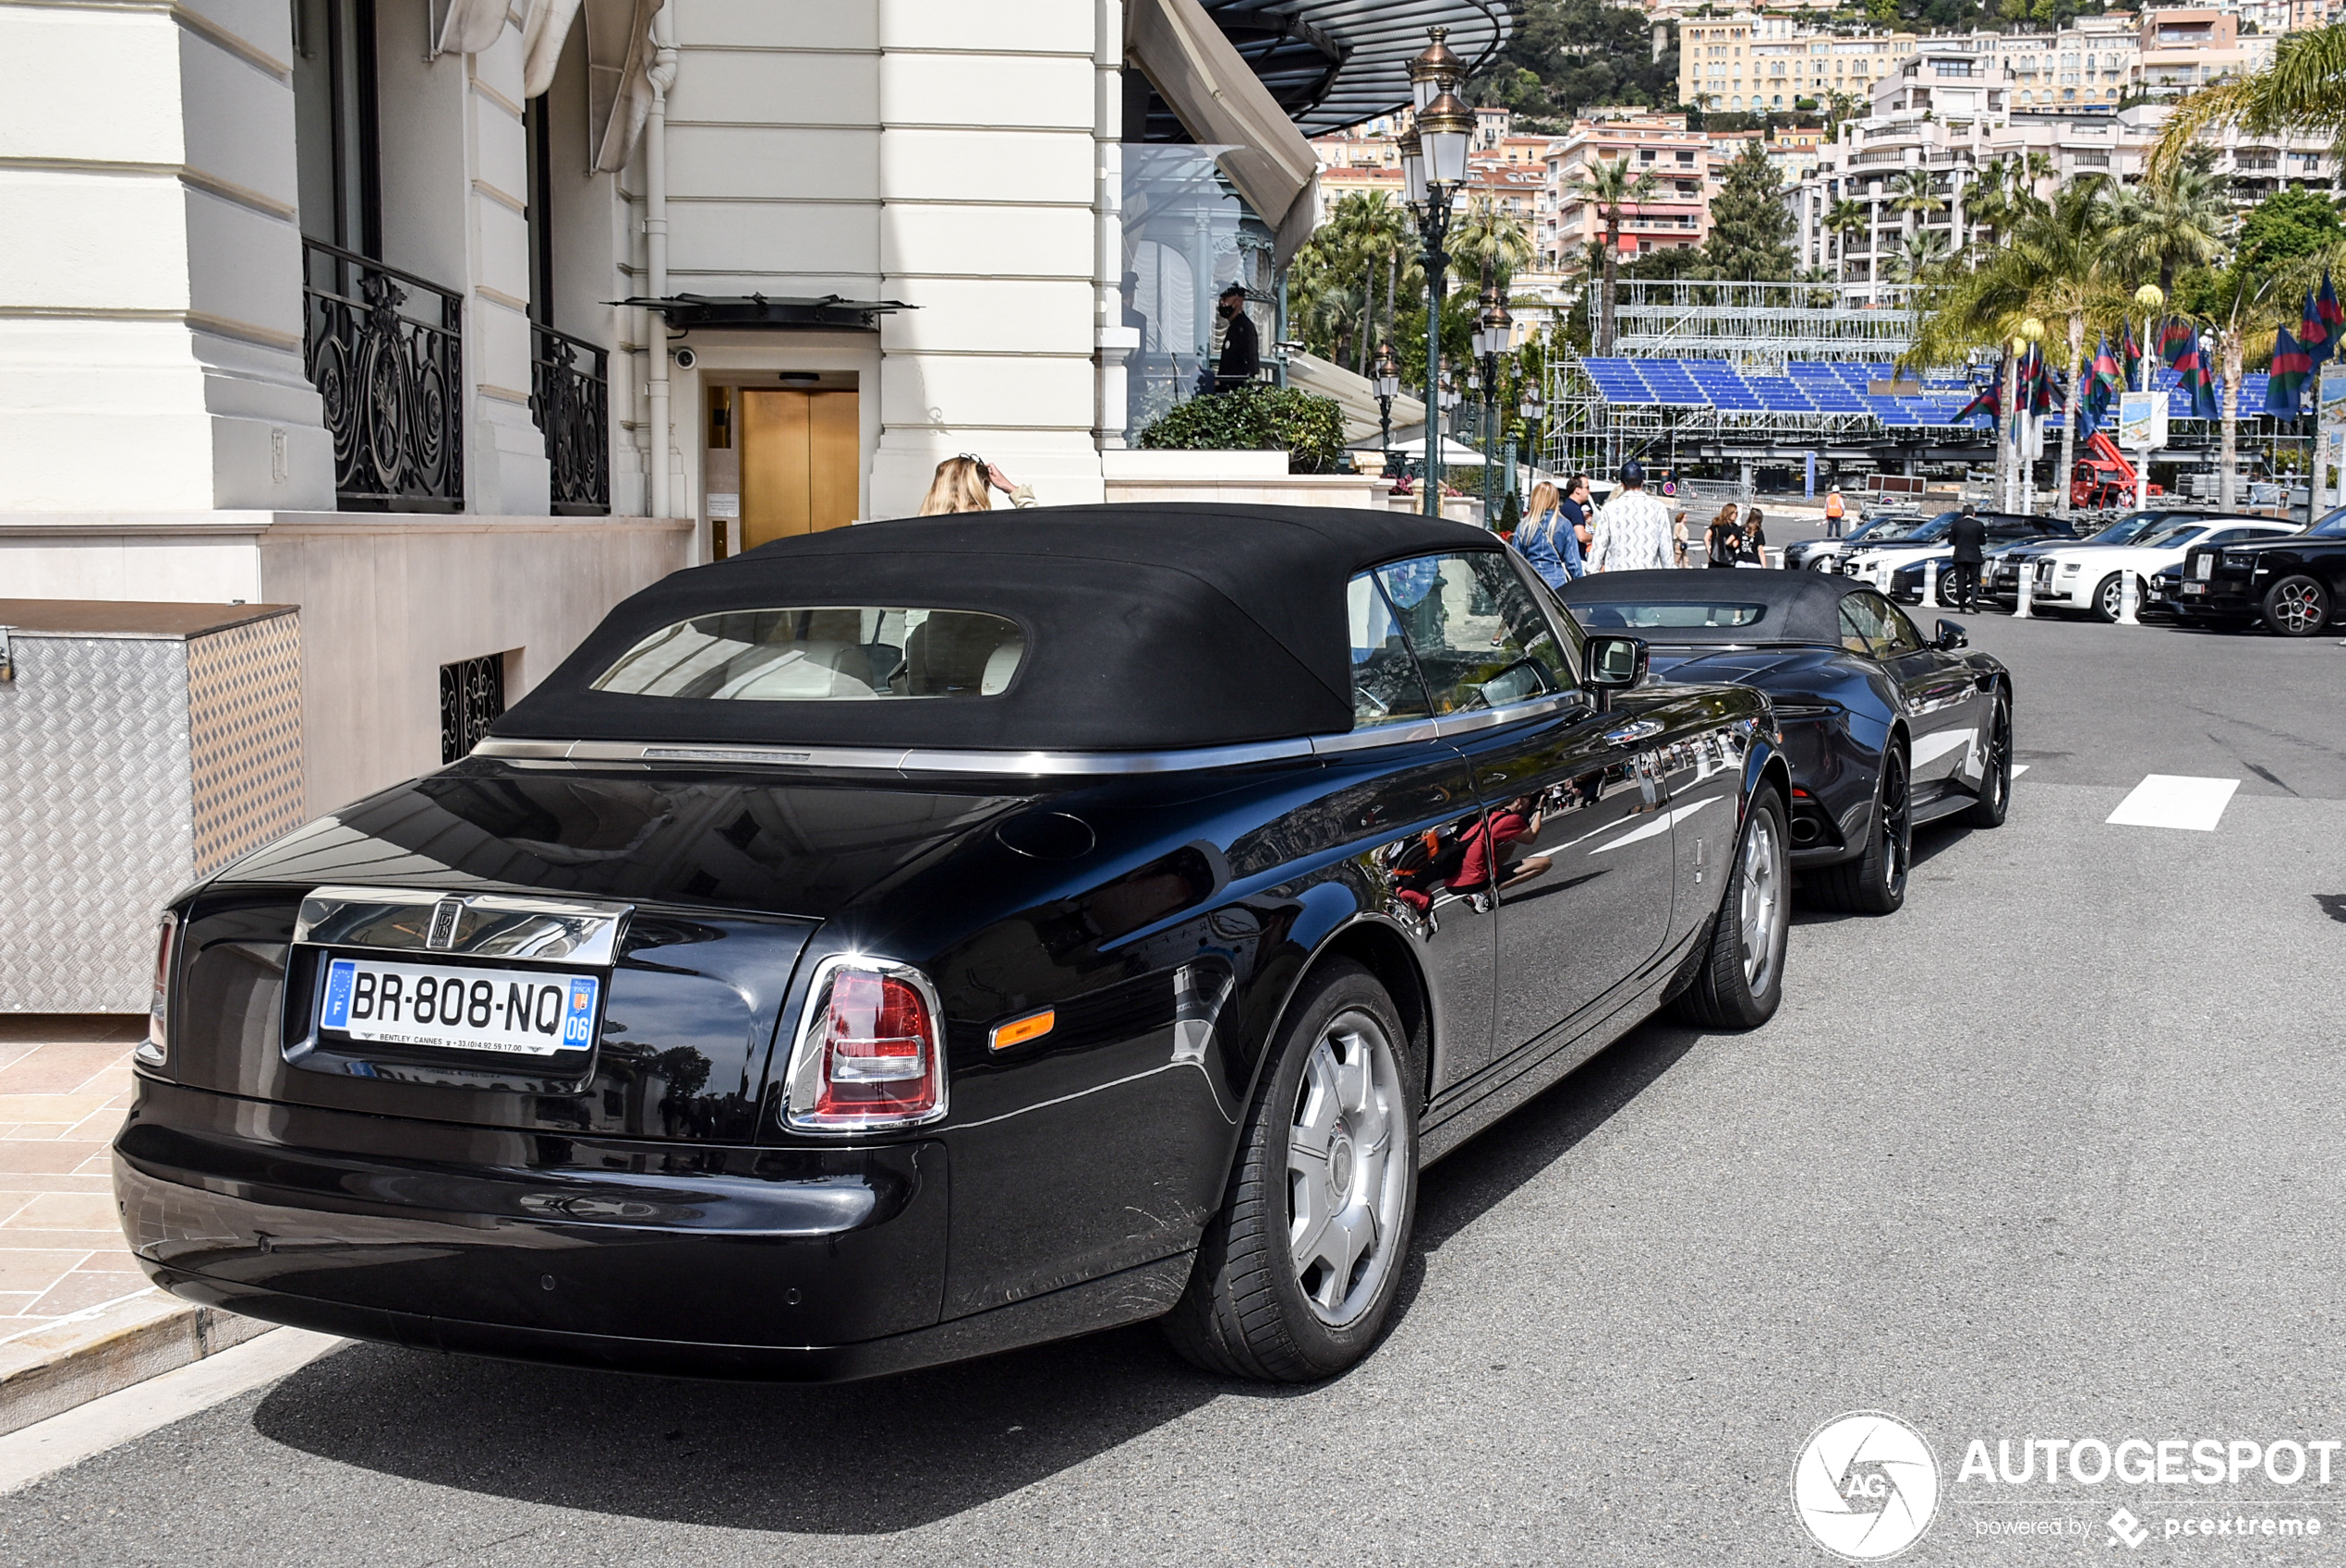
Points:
(1018, 1031)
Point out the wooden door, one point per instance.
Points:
(799, 461)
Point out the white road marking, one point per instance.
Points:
(47, 1447)
(2171, 799)
(2019, 768)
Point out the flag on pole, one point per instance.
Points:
(2293, 367)
(2180, 347)
(2106, 384)
(2323, 319)
(1989, 400)
(2130, 357)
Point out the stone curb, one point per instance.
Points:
(50, 1369)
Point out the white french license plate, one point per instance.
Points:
(510, 1011)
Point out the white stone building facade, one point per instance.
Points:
(323, 302)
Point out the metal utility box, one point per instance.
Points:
(141, 746)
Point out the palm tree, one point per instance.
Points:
(1845, 218)
(1916, 195)
(1487, 236)
(2054, 264)
(2303, 90)
(1917, 258)
(1612, 187)
(2243, 328)
(1379, 233)
(2174, 220)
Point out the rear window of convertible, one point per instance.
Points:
(825, 653)
(1612, 616)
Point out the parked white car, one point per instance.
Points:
(2092, 577)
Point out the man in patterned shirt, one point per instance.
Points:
(1632, 529)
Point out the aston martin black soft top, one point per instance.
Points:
(1141, 627)
(1766, 606)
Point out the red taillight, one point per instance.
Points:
(869, 1055)
(156, 1048)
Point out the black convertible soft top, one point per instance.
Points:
(1148, 627)
(1797, 607)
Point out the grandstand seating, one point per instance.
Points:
(1830, 386)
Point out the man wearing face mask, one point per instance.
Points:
(1241, 344)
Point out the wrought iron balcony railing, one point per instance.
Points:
(570, 398)
(385, 350)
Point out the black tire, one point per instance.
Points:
(1875, 880)
(1995, 782)
(1251, 1309)
(1731, 990)
(2296, 606)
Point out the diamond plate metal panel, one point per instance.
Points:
(96, 829)
(244, 719)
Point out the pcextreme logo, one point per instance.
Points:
(1865, 1486)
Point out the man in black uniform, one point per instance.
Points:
(1241, 344)
(1969, 536)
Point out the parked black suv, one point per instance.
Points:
(2293, 585)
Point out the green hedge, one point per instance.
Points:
(1256, 418)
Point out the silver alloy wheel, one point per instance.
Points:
(1348, 1167)
(2298, 608)
(1764, 908)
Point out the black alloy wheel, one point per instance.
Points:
(1875, 880)
(1296, 1275)
(2296, 606)
(1740, 983)
(1995, 781)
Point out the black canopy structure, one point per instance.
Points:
(1796, 607)
(685, 312)
(1334, 63)
(1146, 628)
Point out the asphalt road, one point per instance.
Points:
(2052, 1153)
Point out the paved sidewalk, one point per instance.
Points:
(64, 1083)
(78, 1320)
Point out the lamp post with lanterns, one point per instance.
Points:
(1434, 165)
(1493, 335)
(2151, 298)
(1389, 387)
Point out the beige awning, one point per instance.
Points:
(465, 27)
(618, 89)
(544, 28)
(1220, 101)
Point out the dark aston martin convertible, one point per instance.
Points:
(928, 937)
(1883, 729)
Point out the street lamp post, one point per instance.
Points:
(2032, 331)
(1491, 337)
(2151, 297)
(1433, 165)
(1389, 387)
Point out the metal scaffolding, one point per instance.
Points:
(1760, 326)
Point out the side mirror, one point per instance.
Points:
(1616, 664)
(1951, 636)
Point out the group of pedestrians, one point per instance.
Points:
(1563, 537)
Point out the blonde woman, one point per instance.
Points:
(962, 483)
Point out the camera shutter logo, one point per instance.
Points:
(1865, 1486)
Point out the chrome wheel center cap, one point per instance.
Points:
(1340, 1160)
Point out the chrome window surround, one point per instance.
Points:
(580, 933)
(801, 1081)
(1032, 764)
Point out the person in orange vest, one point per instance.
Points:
(1833, 509)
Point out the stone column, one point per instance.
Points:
(151, 305)
(455, 191)
(988, 193)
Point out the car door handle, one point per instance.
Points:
(1630, 734)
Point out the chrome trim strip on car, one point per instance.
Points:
(1034, 764)
(576, 932)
